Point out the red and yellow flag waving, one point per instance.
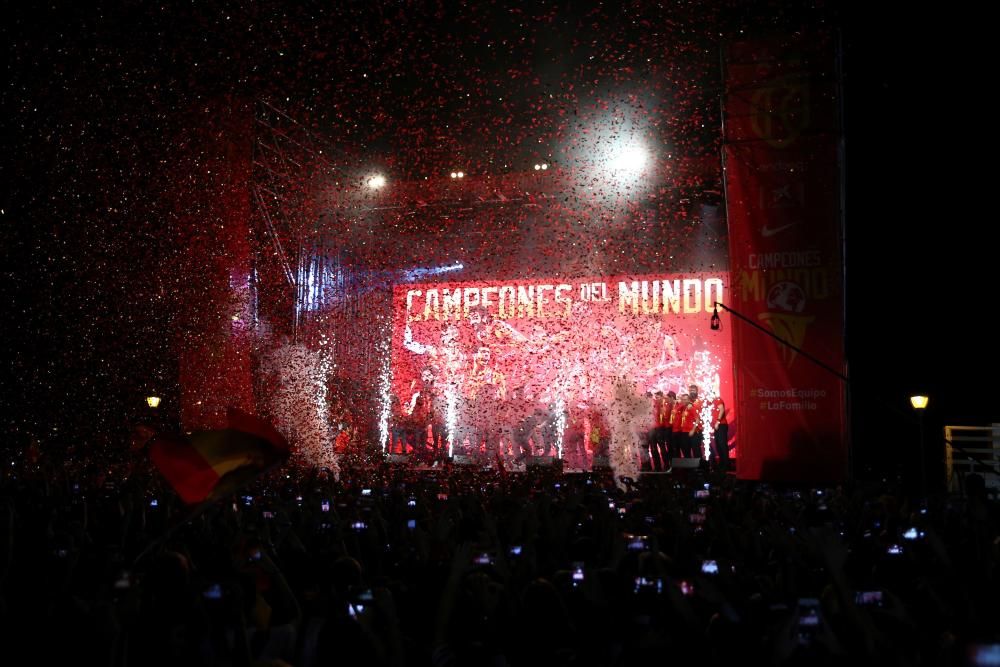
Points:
(212, 464)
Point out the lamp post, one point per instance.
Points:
(919, 404)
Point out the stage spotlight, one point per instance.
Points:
(420, 273)
(377, 181)
(461, 174)
(629, 159)
(544, 166)
(454, 174)
(537, 167)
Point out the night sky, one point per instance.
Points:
(99, 100)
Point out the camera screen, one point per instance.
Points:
(869, 598)
(642, 583)
(808, 612)
(635, 542)
(983, 655)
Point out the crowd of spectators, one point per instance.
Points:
(389, 565)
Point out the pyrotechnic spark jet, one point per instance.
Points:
(451, 417)
(385, 392)
(560, 425)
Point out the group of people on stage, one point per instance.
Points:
(490, 416)
(514, 425)
(678, 422)
(489, 391)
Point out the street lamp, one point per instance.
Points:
(919, 404)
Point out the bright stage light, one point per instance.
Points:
(454, 174)
(461, 174)
(377, 181)
(537, 167)
(544, 166)
(420, 273)
(628, 160)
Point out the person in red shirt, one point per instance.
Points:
(669, 403)
(659, 437)
(683, 425)
(600, 433)
(574, 447)
(720, 433)
(674, 424)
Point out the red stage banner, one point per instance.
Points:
(783, 194)
(548, 343)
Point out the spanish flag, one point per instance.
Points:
(212, 464)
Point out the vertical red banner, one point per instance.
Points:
(782, 140)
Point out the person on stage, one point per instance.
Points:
(600, 432)
(574, 449)
(697, 429)
(684, 424)
(486, 390)
(422, 410)
(674, 423)
(627, 416)
(659, 435)
(720, 433)
(398, 426)
(525, 416)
